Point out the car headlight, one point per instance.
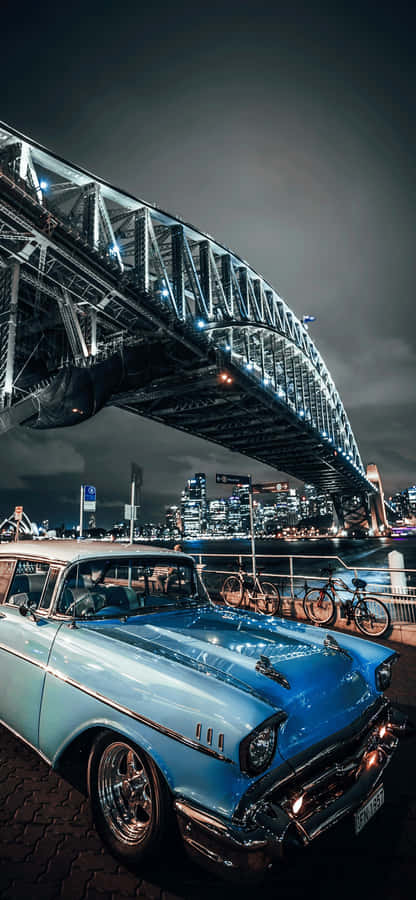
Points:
(383, 673)
(257, 749)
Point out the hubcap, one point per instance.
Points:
(125, 793)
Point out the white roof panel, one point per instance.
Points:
(69, 551)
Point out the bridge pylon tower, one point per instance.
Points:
(377, 509)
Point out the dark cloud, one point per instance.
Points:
(288, 132)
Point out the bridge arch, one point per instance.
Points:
(101, 272)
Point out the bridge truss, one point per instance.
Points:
(88, 274)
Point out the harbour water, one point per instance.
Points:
(309, 557)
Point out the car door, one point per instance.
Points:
(25, 643)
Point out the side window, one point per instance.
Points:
(6, 572)
(49, 589)
(29, 578)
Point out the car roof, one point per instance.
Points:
(63, 551)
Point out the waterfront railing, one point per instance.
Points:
(294, 573)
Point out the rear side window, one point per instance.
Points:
(29, 578)
(49, 589)
(6, 572)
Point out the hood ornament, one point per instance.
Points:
(265, 667)
(332, 644)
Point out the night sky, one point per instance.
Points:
(287, 131)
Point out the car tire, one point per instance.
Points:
(129, 799)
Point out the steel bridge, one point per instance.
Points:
(106, 299)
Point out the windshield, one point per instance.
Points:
(124, 587)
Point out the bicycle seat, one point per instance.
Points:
(359, 583)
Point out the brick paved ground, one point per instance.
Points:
(49, 849)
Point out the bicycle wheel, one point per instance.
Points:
(232, 591)
(371, 616)
(269, 604)
(319, 606)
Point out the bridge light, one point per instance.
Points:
(200, 323)
(306, 319)
(165, 292)
(266, 380)
(324, 434)
(249, 366)
(227, 347)
(43, 185)
(114, 248)
(302, 412)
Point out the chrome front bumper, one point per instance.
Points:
(268, 829)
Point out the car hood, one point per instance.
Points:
(327, 688)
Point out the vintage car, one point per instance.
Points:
(247, 735)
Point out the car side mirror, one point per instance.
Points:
(20, 600)
(23, 602)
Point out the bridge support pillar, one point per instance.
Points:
(9, 294)
(339, 517)
(378, 516)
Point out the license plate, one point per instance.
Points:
(368, 810)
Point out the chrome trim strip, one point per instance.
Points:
(28, 744)
(125, 710)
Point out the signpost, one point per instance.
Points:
(271, 487)
(136, 482)
(18, 512)
(87, 503)
(232, 479)
(221, 478)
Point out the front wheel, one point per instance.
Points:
(232, 591)
(129, 799)
(269, 604)
(371, 617)
(319, 606)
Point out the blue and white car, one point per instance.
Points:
(245, 733)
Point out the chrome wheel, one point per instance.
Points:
(125, 794)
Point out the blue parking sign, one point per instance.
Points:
(89, 492)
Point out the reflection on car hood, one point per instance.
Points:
(327, 689)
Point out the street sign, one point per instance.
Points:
(127, 512)
(232, 479)
(90, 497)
(18, 512)
(271, 487)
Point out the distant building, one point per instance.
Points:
(194, 506)
(218, 516)
(173, 522)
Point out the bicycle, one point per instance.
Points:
(242, 586)
(370, 615)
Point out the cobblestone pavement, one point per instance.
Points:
(49, 849)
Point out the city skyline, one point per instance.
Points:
(308, 174)
(287, 506)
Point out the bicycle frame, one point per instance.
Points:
(348, 604)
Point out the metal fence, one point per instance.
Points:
(293, 574)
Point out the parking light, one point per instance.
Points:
(297, 805)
